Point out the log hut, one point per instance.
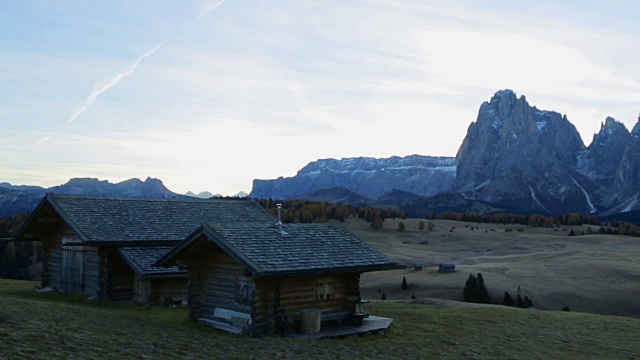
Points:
(107, 247)
(259, 278)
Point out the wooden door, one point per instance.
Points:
(72, 277)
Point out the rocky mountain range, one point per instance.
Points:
(514, 157)
(369, 177)
(21, 198)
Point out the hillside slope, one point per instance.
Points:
(60, 326)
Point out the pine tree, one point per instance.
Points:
(469, 289)
(507, 300)
(421, 225)
(401, 226)
(383, 297)
(519, 302)
(527, 303)
(404, 285)
(482, 294)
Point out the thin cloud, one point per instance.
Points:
(209, 6)
(101, 88)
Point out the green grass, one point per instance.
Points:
(60, 326)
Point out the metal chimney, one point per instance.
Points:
(279, 223)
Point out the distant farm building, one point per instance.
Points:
(446, 268)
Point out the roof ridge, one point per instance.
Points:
(150, 199)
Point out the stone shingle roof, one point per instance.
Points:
(103, 219)
(305, 248)
(142, 260)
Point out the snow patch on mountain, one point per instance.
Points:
(541, 125)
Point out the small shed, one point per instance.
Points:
(446, 268)
(259, 278)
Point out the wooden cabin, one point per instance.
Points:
(446, 268)
(107, 248)
(256, 278)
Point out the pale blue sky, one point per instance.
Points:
(209, 95)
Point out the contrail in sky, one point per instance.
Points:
(209, 6)
(101, 88)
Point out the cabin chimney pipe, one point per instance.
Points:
(279, 223)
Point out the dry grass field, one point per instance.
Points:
(62, 326)
(590, 273)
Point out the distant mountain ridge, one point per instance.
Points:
(370, 177)
(20, 198)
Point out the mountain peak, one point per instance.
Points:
(635, 133)
(611, 126)
(505, 94)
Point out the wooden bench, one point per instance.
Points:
(336, 315)
(228, 320)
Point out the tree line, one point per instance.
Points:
(572, 219)
(17, 256)
(528, 220)
(306, 211)
(475, 291)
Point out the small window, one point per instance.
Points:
(324, 290)
(245, 292)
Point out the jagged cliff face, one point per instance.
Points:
(627, 178)
(421, 175)
(517, 154)
(601, 160)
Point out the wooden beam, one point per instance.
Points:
(46, 220)
(32, 236)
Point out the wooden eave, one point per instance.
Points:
(124, 243)
(36, 218)
(334, 270)
(142, 274)
(213, 236)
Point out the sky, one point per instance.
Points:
(208, 95)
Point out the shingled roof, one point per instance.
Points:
(142, 261)
(104, 220)
(301, 249)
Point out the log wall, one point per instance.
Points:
(279, 301)
(216, 280)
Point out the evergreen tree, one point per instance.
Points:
(404, 285)
(421, 225)
(383, 297)
(482, 294)
(519, 301)
(431, 226)
(470, 286)
(401, 226)
(527, 303)
(507, 300)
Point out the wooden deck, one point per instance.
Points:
(369, 325)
